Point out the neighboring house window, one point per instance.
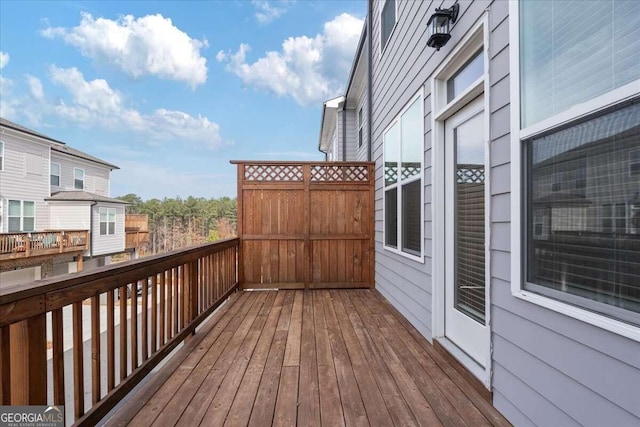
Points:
(614, 217)
(360, 127)
(22, 216)
(107, 221)
(1, 156)
(634, 163)
(388, 21)
(403, 152)
(579, 123)
(78, 179)
(55, 175)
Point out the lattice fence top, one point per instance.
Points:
(470, 174)
(285, 173)
(339, 173)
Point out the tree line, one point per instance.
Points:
(176, 223)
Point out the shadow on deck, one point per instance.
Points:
(341, 357)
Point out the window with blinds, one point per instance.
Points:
(584, 244)
(573, 51)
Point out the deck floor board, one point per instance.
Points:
(308, 358)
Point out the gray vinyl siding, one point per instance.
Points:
(17, 184)
(351, 134)
(361, 152)
(110, 243)
(547, 368)
(96, 177)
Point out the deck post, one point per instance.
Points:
(28, 359)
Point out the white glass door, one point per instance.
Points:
(465, 295)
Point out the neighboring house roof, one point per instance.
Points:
(81, 196)
(328, 123)
(15, 126)
(359, 65)
(82, 155)
(58, 146)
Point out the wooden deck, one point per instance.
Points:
(342, 357)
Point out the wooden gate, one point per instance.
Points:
(306, 225)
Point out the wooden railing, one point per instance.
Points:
(18, 245)
(127, 338)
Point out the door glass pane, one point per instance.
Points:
(14, 208)
(469, 219)
(29, 209)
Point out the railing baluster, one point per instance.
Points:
(144, 340)
(111, 345)
(57, 329)
(170, 326)
(95, 349)
(163, 323)
(134, 326)
(123, 333)
(78, 361)
(154, 314)
(176, 298)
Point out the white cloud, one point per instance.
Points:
(149, 45)
(307, 69)
(95, 104)
(267, 12)
(4, 59)
(35, 86)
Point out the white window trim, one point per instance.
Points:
(115, 215)
(381, 49)
(22, 202)
(2, 156)
(84, 178)
(591, 106)
(419, 258)
(476, 38)
(59, 173)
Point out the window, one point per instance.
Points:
(107, 221)
(360, 127)
(567, 58)
(78, 179)
(403, 152)
(55, 175)
(634, 163)
(1, 156)
(588, 256)
(466, 76)
(22, 216)
(388, 21)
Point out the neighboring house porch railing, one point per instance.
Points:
(22, 245)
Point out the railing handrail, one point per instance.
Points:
(46, 295)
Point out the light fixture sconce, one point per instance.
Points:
(439, 26)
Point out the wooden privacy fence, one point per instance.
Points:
(112, 344)
(306, 225)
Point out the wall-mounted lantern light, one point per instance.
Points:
(439, 26)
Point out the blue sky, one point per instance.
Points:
(171, 91)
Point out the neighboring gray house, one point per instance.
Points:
(344, 120)
(508, 196)
(47, 186)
